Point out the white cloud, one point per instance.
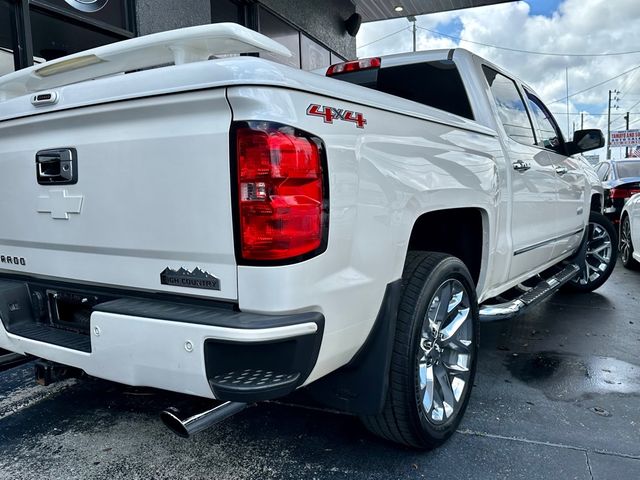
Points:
(578, 26)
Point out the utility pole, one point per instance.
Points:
(566, 73)
(626, 150)
(412, 19)
(609, 128)
(581, 120)
(614, 92)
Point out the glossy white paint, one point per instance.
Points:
(155, 182)
(148, 352)
(381, 179)
(540, 198)
(632, 210)
(143, 209)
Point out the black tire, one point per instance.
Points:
(598, 272)
(626, 245)
(404, 419)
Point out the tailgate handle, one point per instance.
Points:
(57, 166)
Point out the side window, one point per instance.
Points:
(602, 171)
(550, 136)
(511, 109)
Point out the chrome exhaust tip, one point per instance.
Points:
(170, 419)
(200, 421)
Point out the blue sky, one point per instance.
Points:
(453, 27)
(543, 7)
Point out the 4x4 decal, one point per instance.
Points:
(329, 114)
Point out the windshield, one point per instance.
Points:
(628, 169)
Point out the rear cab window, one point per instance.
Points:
(628, 168)
(436, 84)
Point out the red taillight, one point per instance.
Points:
(354, 66)
(280, 192)
(623, 192)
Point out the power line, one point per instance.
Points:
(594, 86)
(629, 112)
(593, 114)
(634, 106)
(554, 54)
(382, 38)
(627, 83)
(532, 53)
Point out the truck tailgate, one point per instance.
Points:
(151, 208)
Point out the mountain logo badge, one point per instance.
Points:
(189, 279)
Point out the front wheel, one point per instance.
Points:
(626, 245)
(434, 356)
(601, 255)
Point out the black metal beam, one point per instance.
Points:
(10, 360)
(21, 26)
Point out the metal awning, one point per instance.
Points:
(372, 10)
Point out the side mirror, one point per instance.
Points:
(585, 140)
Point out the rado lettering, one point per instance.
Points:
(9, 260)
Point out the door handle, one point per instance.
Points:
(57, 166)
(561, 170)
(520, 166)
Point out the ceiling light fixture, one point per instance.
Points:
(398, 8)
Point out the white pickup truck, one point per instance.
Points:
(224, 226)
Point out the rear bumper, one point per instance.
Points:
(613, 209)
(173, 346)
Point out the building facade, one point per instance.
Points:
(34, 31)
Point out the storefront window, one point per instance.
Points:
(282, 32)
(336, 58)
(55, 37)
(313, 54)
(225, 11)
(7, 37)
(115, 13)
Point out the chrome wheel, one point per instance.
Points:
(444, 353)
(626, 247)
(435, 351)
(599, 254)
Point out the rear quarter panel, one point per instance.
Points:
(381, 179)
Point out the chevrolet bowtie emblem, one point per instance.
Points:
(60, 204)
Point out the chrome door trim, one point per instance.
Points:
(546, 242)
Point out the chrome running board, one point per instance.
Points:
(502, 311)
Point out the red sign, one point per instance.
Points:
(625, 138)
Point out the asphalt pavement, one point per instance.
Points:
(557, 396)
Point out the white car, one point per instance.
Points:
(630, 233)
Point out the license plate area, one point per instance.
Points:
(70, 310)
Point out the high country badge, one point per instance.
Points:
(194, 279)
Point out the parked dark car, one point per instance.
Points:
(621, 180)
